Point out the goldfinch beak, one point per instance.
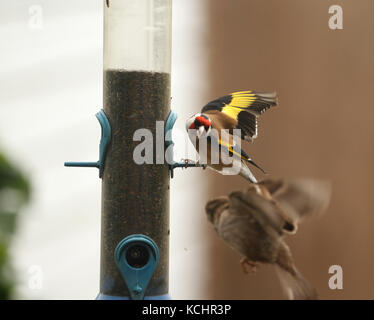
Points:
(200, 131)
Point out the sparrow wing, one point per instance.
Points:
(251, 226)
(264, 211)
(239, 110)
(299, 198)
(242, 228)
(272, 185)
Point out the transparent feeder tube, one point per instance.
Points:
(137, 35)
(135, 197)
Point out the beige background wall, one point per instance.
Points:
(322, 128)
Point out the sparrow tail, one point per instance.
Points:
(295, 285)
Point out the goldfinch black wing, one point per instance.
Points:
(244, 107)
(233, 150)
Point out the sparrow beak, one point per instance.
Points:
(200, 131)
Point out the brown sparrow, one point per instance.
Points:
(253, 222)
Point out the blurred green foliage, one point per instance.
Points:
(14, 192)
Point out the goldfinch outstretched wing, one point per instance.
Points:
(244, 107)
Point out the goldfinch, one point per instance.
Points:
(253, 222)
(222, 124)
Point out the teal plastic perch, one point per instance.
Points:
(104, 141)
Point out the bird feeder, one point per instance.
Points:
(135, 196)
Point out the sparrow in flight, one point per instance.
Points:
(254, 222)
